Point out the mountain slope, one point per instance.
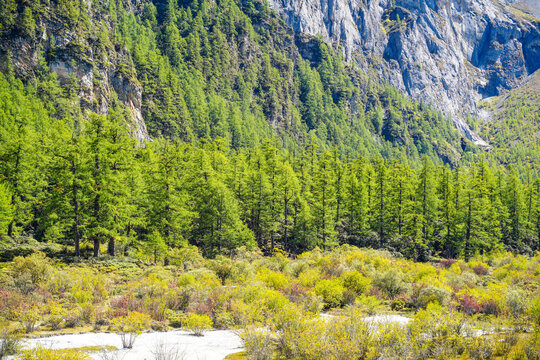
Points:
(448, 53)
(511, 122)
(199, 70)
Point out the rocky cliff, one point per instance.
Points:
(73, 43)
(451, 53)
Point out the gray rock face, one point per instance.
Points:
(98, 74)
(450, 53)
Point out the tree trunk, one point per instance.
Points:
(112, 246)
(96, 246)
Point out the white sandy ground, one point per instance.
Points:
(214, 345)
(388, 319)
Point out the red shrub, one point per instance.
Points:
(446, 263)
(375, 291)
(123, 305)
(480, 270)
(296, 293)
(468, 305)
(491, 308)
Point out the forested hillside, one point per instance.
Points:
(89, 183)
(257, 136)
(228, 69)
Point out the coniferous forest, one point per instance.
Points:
(94, 185)
(273, 180)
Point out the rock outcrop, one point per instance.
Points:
(451, 53)
(101, 72)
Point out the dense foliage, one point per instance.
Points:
(88, 182)
(277, 301)
(514, 118)
(234, 70)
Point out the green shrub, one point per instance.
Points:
(516, 301)
(535, 312)
(356, 282)
(27, 273)
(259, 343)
(331, 291)
(482, 348)
(423, 295)
(391, 283)
(197, 324)
(9, 342)
(368, 304)
(223, 267)
(175, 318)
(223, 319)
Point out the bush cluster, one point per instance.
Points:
(283, 295)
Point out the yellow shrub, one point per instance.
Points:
(29, 272)
(185, 280)
(331, 291)
(128, 327)
(48, 354)
(273, 279)
(309, 277)
(356, 282)
(197, 324)
(135, 322)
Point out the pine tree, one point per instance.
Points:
(22, 118)
(354, 219)
(426, 201)
(168, 179)
(69, 183)
(217, 225)
(324, 201)
(6, 210)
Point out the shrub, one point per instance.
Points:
(356, 282)
(56, 316)
(40, 353)
(223, 267)
(309, 277)
(197, 324)
(481, 348)
(175, 318)
(368, 304)
(468, 305)
(187, 257)
(29, 272)
(331, 291)
(223, 319)
(29, 318)
(490, 307)
(391, 283)
(447, 263)
(535, 312)
(164, 352)
(259, 343)
(479, 268)
(9, 342)
(424, 295)
(130, 326)
(272, 279)
(516, 301)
